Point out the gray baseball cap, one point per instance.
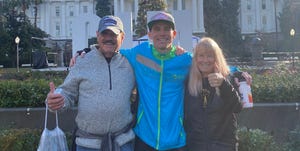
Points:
(162, 16)
(112, 23)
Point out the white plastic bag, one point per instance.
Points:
(52, 140)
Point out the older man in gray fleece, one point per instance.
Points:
(102, 83)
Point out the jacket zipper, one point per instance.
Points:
(158, 103)
(109, 72)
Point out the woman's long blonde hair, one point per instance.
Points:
(195, 76)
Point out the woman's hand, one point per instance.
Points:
(215, 79)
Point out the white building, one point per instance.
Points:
(260, 16)
(58, 17)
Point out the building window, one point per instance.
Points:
(249, 20)
(263, 4)
(57, 29)
(57, 11)
(249, 4)
(71, 8)
(85, 9)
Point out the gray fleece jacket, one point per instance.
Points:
(103, 93)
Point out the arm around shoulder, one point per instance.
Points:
(231, 96)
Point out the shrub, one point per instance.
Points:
(256, 140)
(277, 84)
(249, 140)
(29, 93)
(276, 88)
(22, 139)
(19, 139)
(27, 88)
(293, 143)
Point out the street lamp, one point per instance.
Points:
(17, 40)
(292, 34)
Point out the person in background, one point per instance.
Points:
(210, 105)
(101, 84)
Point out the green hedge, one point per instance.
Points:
(29, 89)
(276, 87)
(256, 140)
(249, 140)
(293, 143)
(22, 139)
(28, 93)
(277, 84)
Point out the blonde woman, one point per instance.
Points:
(211, 102)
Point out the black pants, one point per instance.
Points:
(139, 145)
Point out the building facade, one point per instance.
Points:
(57, 17)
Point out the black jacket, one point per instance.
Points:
(212, 127)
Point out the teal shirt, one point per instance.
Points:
(160, 81)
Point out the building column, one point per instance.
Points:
(198, 17)
(195, 15)
(63, 20)
(48, 22)
(257, 16)
(116, 7)
(179, 4)
(201, 16)
(122, 5)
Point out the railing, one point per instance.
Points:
(294, 104)
(280, 56)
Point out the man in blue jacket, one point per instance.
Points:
(160, 76)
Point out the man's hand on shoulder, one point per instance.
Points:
(246, 76)
(80, 53)
(179, 50)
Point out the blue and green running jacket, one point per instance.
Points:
(160, 82)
